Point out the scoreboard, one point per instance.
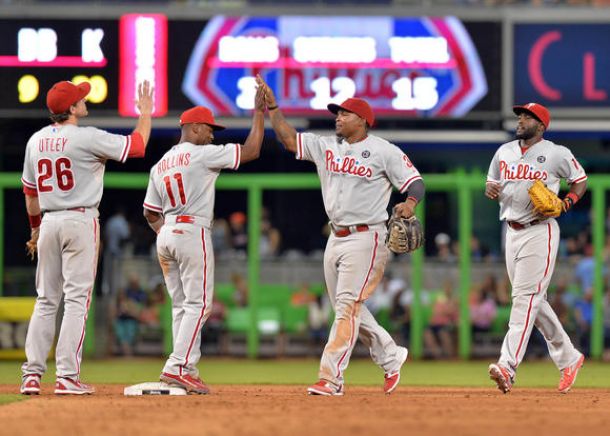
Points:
(408, 67)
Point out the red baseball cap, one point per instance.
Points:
(357, 106)
(64, 94)
(539, 112)
(199, 115)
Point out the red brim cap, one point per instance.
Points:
(357, 106)
(65, 94)
(200, 115)
(538, 111)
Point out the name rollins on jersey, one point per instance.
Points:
(346, 165)
(522, 171)
(52, 144)
(176, 160)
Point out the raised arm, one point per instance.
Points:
(284, 132)
(252, 147)
(145, 106)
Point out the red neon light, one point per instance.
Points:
(130, 74)
(535, 65)
(589, 90)
(59, 61)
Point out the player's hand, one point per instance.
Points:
(269, 95)
(259, 99)
(145, 98)
(405, 209)
(492, 190)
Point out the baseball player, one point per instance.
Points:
(62, 180)
(179, 206)
(532, 241)
(357, 171)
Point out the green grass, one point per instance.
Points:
(304, 371)
(11, 398)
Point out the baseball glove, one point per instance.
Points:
(32, 245)
(404, 234)
(545, 202)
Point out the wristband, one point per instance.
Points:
(414, 199)
(272, 108)
(35, 220)
(572, 198)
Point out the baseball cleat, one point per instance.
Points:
(192, 385)
(325, 388)
(502, 377)
(30, 385)
(568, 375)
(391, 379)
(68, 386)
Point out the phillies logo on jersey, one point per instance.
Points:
(346, 165)
(522, 171)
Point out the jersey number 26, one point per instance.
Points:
(63, 174)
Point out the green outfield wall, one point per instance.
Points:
(464, 185)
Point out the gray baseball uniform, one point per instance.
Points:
(531, 245)
(181, 187)
(356, 182)
(64, 166)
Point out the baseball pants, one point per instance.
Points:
(353, 267)
(530, 258)
(187, 260)
(67, 263)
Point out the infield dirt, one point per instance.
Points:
(287, 410)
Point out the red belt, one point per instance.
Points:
(185, 219)
(518, 226)
(341, 233)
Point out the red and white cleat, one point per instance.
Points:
(391, 379)
(192, 385)
(325, 388)
(30, 385)
(568, 375)
(502, 377)
(68, 386)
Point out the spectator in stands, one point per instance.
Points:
(116, 234)
(558, 301)
(150, 316)
(239, 232)
(483, 310)
(240, 295)
(221, 237)
(439, 336)
(443, 248)
(130, 303)
(607, 324)
(270, 239)
(318, 317)
(382, 298)
(214, 326)
(401, 314)
(585, 269)
(302, 296)
(583, 314)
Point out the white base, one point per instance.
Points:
(153, 388)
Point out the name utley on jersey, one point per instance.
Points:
(65, 164)
(182, 182)
(516, 171)
(357, 178)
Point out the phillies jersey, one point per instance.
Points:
(357, 178)
(182, 182)
(65, 164)
(516, 171)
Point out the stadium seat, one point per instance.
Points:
(295, 319)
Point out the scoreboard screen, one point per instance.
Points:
(405, 67)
